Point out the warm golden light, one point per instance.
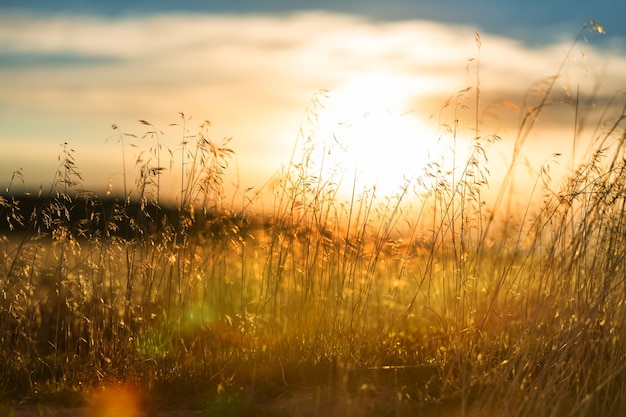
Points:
(251, 76)
(115, 400)
(369, 142)
(307, 213)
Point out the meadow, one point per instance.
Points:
(293, 301)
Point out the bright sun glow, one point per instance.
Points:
(371, 142)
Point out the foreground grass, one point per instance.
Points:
(423, 302)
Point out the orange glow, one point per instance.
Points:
(115, 400)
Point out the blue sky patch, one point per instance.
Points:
(24, 60)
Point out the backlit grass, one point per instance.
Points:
(424, 301)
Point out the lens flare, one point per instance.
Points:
(115, 400)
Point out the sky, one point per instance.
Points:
(376, 74)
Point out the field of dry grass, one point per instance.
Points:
(426, 301)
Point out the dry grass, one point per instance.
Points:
(419, 303)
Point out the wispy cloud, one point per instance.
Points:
(251, 75)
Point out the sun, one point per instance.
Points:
(373, 143)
